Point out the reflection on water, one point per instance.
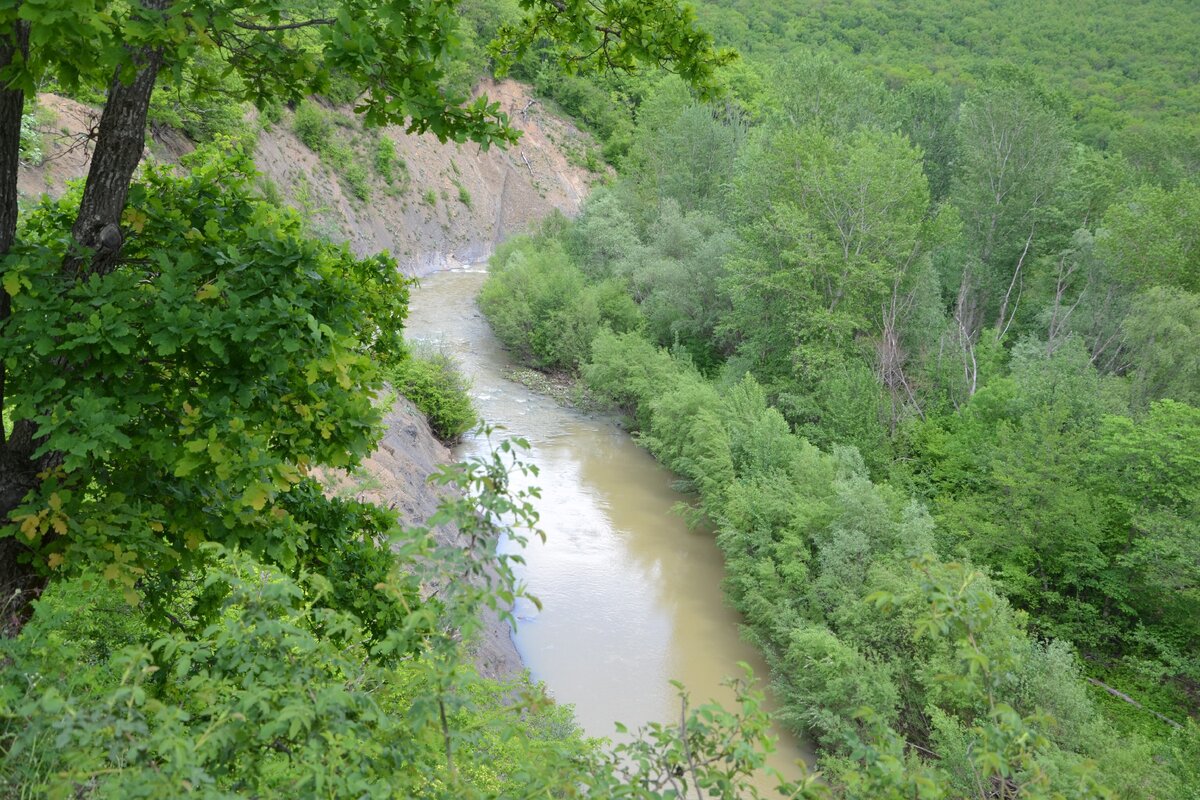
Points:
(631, 597)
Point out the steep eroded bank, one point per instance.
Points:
(396, 476)
(449, 203)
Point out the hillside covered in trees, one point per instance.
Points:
(908, 294)
(914, 310)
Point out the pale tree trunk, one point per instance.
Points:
(891, 358)
(1003, 320)
(1060, 316)
(963, 316)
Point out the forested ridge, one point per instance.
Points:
(917, 323)
(186, 609)
(909, 298)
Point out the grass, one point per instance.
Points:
(317, 129)
(464, 196)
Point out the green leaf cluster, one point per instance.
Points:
(434, 383)
(228, 357)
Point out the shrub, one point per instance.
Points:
(313, 126)
(434, 383)
(464, 196)
(358, 181)
(31, 141)
(540, 304)
(271, 113)
(385, 160)
(628, 370)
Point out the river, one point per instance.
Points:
(631, 597)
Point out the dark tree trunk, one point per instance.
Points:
(15, 478)
(12, 103)
(97, 233)
(120, 141)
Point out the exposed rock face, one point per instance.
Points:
(479, 197)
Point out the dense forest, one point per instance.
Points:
(914, 310)
(909, 298)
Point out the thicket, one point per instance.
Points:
(1120, 93)
(984, 316)
(876, 643)
(436, 385)
(542, 305)
(1118, 88)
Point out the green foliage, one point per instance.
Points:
(286, 688)
(208, 108)
(349, 544)
(182, 381)
(317, 129)
(1114, 77)
(228, 715)
(31, 151)
(648, 32)
(152, 459)
(464, 196)
(1153, 236)
(1162, 341)
(539, 303)
(798, 265)
(833, 683)
(815, 552)
(984, 308)
(1146, 473)
(388, 165)
(434, 383)
(672, 271)
(357, 178)
(1041, 450)
(1013, 149)
(313, 126)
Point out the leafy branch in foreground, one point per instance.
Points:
(286, 691)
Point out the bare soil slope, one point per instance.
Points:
(478, 198)
(454, 203)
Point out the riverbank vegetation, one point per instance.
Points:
(435, 384)
(185, 610)
(923, 349)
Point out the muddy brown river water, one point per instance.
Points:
(631, 597)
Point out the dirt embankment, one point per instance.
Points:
(396, 476)
(451, 205)
(459, 202)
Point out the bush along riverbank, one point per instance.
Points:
(911, 671)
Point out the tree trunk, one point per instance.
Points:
(12, 103)
(15, 477)
(97, 234)
(119, 144)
